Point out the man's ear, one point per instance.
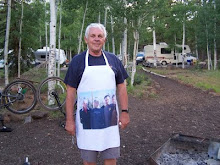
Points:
(85, 40)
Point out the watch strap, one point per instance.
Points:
(125, 110)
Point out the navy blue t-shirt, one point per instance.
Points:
(77, 66)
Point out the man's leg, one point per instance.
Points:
(110, 162)
(89, 157)
(110, 155)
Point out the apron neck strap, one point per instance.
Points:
(87, 58)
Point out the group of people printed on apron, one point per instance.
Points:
(99, 114)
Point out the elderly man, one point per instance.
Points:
(85, 115)
(97, 73)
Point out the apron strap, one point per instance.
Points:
(87, 58)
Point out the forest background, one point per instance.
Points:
(130, 25)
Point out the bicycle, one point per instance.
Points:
(52, 95)
(19, 97)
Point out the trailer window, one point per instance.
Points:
(42, 56)
(165, 51)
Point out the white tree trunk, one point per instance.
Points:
(215, 47)
(70, 54)
(58, 66)
(120, 49)
(108, 47)
(105, 22)
(207, 49)
(177, 58)
(80, 37)
(124, 42)
(46, 38)
(208, 55)
(124, 45)
(40, 45)
(207, 40)
(183, 45)
(215, 55)
(136, 41)
(99, 18)
(67, 54)
(113, 39)
(196, 46)
(6, 42)
(52, 53)
(19, 52)
(154, 42)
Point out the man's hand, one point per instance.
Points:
(124, 120)
(70, 127)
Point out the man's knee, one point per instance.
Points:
(110, 162)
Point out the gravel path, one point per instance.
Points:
(178, 108)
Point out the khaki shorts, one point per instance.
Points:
(91, 156)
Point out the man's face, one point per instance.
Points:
(85, 105)
(107, 100)
(95, 41)
(96, 104)
(113, 100)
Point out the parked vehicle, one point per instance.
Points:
(40, 55)
(140, 57)
(2, 64)
(190, 59)
(165, 55)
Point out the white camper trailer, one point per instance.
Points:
(40, 55)
(165, 55)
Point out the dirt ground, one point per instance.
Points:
(178, 108)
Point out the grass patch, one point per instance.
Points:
(2, 73)
(203, 79)
(38, 75)
(141, 84)
(55, 114)
(153, 95)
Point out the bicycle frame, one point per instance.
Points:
(11, 96)
(55, 94)
(19, 96)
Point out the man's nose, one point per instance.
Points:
(97, 38)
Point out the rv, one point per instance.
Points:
(40, 55)
(165, 55)
(2, 65)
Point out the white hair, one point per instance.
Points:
(95, 25)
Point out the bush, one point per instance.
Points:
(139, 78)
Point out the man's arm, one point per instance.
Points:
(123, 99)
(70, 101)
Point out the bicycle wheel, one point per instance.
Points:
(52, 93)
(19, 96)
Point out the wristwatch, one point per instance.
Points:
(125, 110)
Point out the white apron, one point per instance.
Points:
(94, 127)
